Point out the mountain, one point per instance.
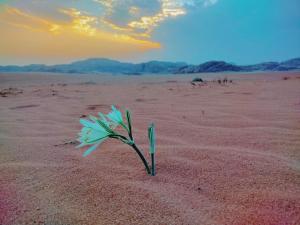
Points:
(291, 64)
(266, 66)
(221, 66)
(103, 65)
(211, 66)
(158, 67)
(99, 65)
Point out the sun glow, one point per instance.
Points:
(77, 38)
(95, 28)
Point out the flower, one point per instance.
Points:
(93, 134)
(107, 122)
(115, 116)
(95, 130)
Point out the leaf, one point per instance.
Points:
(129, 123)
(151, 136)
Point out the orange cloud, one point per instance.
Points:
(81, 23)
(168, 9)
(21, 19)
(26, 35)
(138, 23)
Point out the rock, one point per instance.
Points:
(197, 79)
(10, 91)
(286, 78)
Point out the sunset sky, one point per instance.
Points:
(194, 31)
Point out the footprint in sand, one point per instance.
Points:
(24, 106)
(94, 107)
(145, 100)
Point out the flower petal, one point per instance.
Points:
(95, 134)
(93, 118)
(90, 124)
(106, 122)
(92, 148)
(115, 115)
(81, 144)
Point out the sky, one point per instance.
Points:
(192, 31)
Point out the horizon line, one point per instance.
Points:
(154, 60)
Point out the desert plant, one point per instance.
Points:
(98, 129)
(152, 147)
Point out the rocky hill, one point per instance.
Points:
(221, 66)
(102, 65)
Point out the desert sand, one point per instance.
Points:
(226, 154)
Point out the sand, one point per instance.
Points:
(226, 154)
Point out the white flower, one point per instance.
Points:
(93, 134)
(98, 129)
(115, 116)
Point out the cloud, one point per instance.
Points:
(119, 14)
(18, 18)
(168, 9)
(207, 3)
(140, 17)
(78, 28)
(131, 17)
(81, 23)
(28, 36)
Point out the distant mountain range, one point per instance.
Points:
(221, 66)
(102, 65)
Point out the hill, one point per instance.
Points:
(103, 65)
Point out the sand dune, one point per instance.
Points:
(227, 154)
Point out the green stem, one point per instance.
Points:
(130, 134)
(142, 157)
(152, 164)
(137, 150)
(125, 127)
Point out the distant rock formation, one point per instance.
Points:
(102, 65)
(267, 66)
(211, 66)
(221, 66)
(292, 64)
(158, 67)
